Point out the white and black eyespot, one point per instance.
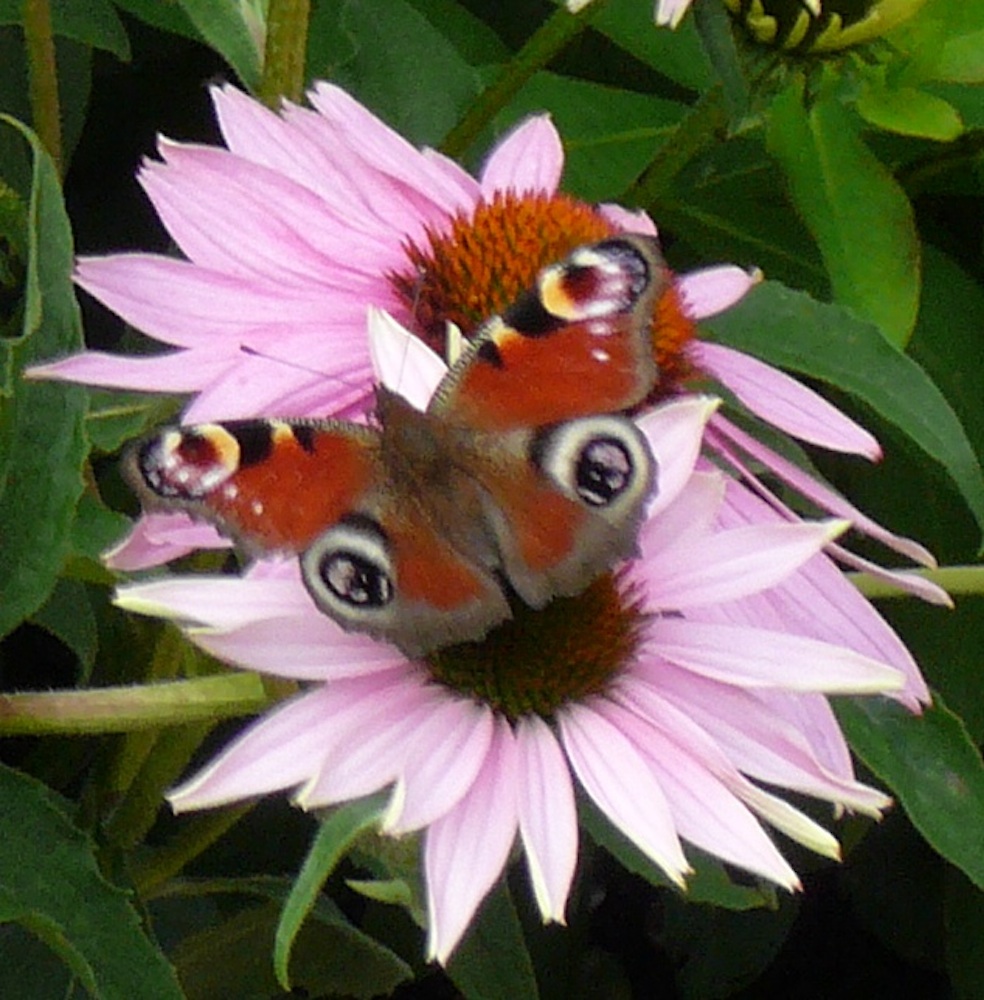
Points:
(604, 462)
(348, 571)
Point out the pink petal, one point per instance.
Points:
(784, 402)
(712, 290)
(547, 816)
(310, 648)
(388, 151)
(818, 601)
(159, 538)
(530, 159)
(186, 305)
(750, 657)
(722, 432)
(279, 751)
(626, 221)
(705, 810)
(615, 775)
(403, 362)
(675, 432)
(905, 580)
(174, 372)
(373, 754)
(466, 849)
(441, 761)
(731, 564)
(244, 219)
(690, 516)
(761, 734)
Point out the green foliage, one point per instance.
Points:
(855, 180)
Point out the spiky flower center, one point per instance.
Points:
(540, 660)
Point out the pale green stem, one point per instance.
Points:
(955, 580)
(45, 111)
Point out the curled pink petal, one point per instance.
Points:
(710, 291)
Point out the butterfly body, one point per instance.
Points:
(519, 479)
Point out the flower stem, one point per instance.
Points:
(968, 580)
(555, 34)
(45, 112)
(123, 709)
(285, 53)
(703, 126)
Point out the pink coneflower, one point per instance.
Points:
(312, 215)
(663, 692)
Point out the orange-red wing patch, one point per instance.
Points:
(593, 366)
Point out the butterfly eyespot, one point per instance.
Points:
(348, 570)
(604, 462)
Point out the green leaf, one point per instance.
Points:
(492, 962)
(933, 767)
(675, 54)
(231, 960)
(375, 48)
(609, 134)
(857, 213)
(335, 835)
(825, 341)
(909, 111)
(68, 616)
(116, 417)
(51, 885)
(962, 59)
(473, 38)
(708, 883)
(222, 25)
(42, 445)
(94, 23)
(168, 17)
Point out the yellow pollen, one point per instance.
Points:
(541, 660)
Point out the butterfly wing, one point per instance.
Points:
(373, 557)
(575, 345)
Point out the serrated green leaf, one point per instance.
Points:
(51, 885)
(827, 342)
(222, 25)
(96, 528)
(934, 769)
(859, 216)
(116, 417)
(709, 883)
(42, 445)
(335, 835)
(492, 962)
(94, 23)
(909, 111)
(232, 960)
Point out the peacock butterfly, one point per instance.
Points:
(520, 479)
